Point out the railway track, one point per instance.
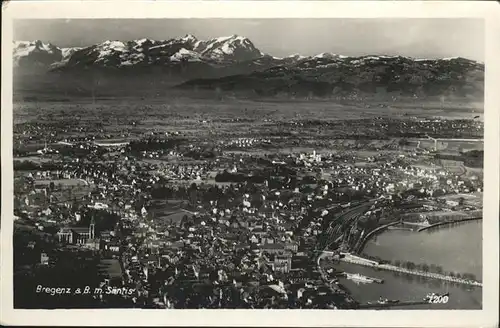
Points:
(340, 224)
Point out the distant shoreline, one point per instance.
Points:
(447, 223)
(433, 103)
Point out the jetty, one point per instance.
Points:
(353, 259)
(448, 222)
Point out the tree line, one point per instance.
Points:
(424, 267)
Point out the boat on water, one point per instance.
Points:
(359, 278)
(356, 277)
(386, 301)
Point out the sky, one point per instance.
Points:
(413, 37)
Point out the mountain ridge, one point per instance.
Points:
(220, 48)
(357, 76)
(234, 64)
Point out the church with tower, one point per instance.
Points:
(78, 235)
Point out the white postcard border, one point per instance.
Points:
(487, 317)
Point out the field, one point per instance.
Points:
(206, 122)
(175, 218)
(166, 211)
(155, 113)
(474, 171)
(62, 182)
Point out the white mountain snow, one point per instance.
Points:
(225, 50)
(185, 54)
(329, 55)
(232, 47)
(24, 48)
(296, 57)
(35, 52)
(67, 52)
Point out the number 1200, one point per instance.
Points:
(436, 299)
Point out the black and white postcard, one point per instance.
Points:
(286, 162)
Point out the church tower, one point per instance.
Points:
(92, 228)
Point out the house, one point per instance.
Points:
(268, 292)
(268, 240)
(242, 246)
(113, 246)
(243, 223)
(106, 235)
(153, 259)
(272, 248)
(283, 262)
(259, 232)
(294, 247)
(44, 259)
(99, 206)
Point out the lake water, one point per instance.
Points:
(455, 248)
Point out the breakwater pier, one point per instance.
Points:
(354, 259)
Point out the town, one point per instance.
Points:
(212, 214)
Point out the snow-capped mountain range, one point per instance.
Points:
(234, 63)
(216, 51)
(116, 54)
(137, 52)
(40, 53)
